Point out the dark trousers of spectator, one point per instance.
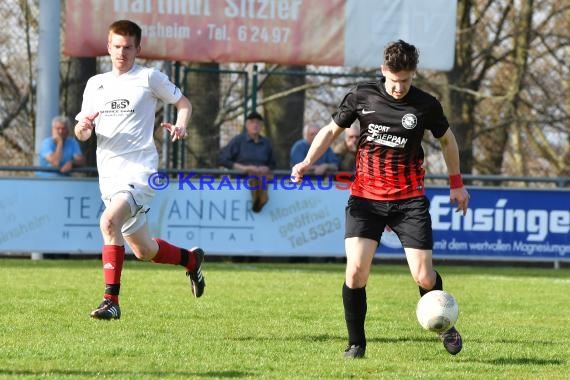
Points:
(259, 192)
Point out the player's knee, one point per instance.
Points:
(356, 277)
(108, 227)
(143, 253)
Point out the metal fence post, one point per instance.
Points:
(176, 150)
(254, 80)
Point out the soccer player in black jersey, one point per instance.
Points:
(388, 188)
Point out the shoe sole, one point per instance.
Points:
(104, 319)
(357, 356)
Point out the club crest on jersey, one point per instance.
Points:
(409, 121)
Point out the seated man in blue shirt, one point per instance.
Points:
(60, 151)
(325, 165)
(253, 154)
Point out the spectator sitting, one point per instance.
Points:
(346, 149)
(60, 151)
(253, 154)
(325, 165)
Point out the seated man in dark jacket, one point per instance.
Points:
(253, 154)
(346, 149)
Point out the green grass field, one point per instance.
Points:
(276, 321)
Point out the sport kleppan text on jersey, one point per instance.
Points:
(378, 135)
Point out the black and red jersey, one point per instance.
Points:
(389, 158)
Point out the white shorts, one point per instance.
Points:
(138, 197)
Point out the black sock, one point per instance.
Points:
(183, 257)
(438, 285)
(112, 289)
(355, 306)
(112, 292)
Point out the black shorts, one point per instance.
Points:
(408, 218)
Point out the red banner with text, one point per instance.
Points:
(276, 31)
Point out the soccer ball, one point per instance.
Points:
(437, 311)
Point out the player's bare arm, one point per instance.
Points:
(457, 194)
(84, 128)
(178, 131)
(321, 143)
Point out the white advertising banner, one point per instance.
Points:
(372, 24)
(62, 216)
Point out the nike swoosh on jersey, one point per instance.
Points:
(366, 112)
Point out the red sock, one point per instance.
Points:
(167, 253)
(171, 254)
(113, 258)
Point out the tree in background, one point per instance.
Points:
(504, 93)
(202, 86)
(18, 38)
(74, 75)
(284, 110)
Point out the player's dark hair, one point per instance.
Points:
(401, 56)
(126, 28)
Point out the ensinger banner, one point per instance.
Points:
(62, 216)
(293, 32)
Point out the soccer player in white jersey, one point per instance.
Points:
(120, 107)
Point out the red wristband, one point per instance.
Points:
(455, 181)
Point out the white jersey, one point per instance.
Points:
(126, 152)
